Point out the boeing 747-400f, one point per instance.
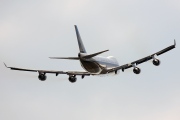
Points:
(93, 64)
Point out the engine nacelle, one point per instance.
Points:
(72, 79)
(42, 77)
(156, 62)
(136, 70)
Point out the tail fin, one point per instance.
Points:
(80, 43)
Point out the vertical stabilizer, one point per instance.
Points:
(80, 43)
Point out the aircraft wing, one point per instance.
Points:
(84, 73)
(142, 60)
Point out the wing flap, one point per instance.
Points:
(78, 73)
(52, 71)
(20, 69)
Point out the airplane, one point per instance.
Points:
(93, 64)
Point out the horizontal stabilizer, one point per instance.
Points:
(95, 54)
(70, 58)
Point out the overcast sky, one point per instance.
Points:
(32, 31)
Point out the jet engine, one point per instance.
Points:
(72, 79)
(156, 62)
(42, 77)
(136, 70)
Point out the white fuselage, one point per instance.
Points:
(99, 65)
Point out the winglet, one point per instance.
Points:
(174, 42)
(5, 65)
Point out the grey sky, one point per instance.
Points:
(32, 31)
